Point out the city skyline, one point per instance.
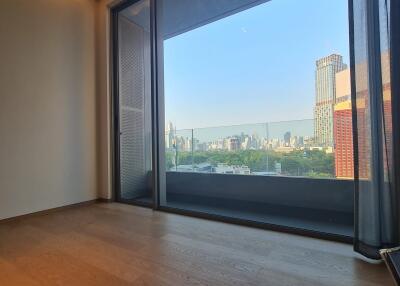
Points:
(303, 128)
(330, 94)
(277, 70)
(332, 132)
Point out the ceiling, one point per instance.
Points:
(180, 16)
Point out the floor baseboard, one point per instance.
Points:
(52, 210)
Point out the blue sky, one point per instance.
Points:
(255, 66)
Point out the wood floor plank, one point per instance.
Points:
(116, 244)
(11, 275)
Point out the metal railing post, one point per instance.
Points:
(192, 150)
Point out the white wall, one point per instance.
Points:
(48, 104)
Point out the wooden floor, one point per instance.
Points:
(115, 244)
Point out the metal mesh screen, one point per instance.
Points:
(132, 98)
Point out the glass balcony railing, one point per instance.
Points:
(273, 172)
(265, 149)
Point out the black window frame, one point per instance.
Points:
(158, 128)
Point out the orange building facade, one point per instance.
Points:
(342, 127)
(343, 134)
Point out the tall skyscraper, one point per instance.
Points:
(286, 138)
(325, 91)
(169, 136)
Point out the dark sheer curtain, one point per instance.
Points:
(376, 194)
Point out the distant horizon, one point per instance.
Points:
(303, 128)
(234, 125)
(230, 71)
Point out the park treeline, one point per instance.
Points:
(308, 163)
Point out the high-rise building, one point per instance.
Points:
(234, 144)
(169, 136)
(365, 148)
(343, 122)
(286, 138)
(342, 127)
(325, 91)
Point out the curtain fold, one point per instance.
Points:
(376, 194)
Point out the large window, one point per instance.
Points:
(258, 121)
(236, 108)
(281, 66)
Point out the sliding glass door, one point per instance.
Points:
(257, 111)
(237, 109)
(132, 102)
